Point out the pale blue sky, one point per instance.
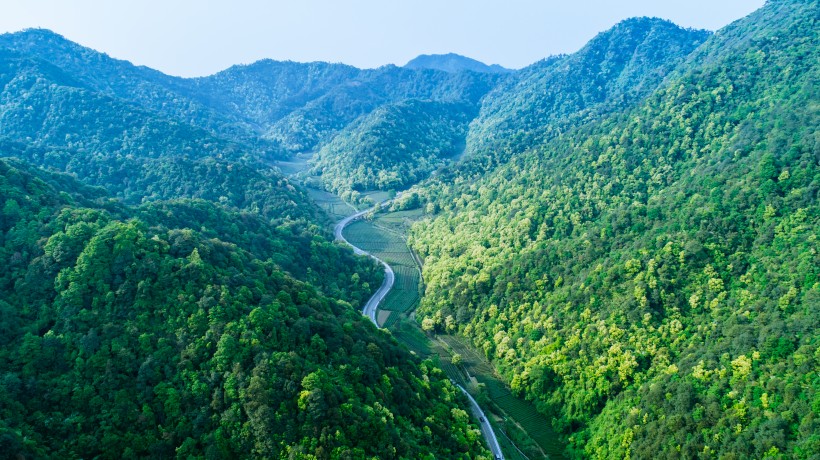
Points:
(200, 37)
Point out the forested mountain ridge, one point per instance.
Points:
(149, 89)
(649, 277)
(263, 111)
(222, 326)
(631, 239)
(304, 105)
(319, 120)
(394, 146)
(266, 91)
(615, 69)
(183, 329)
(46, 106)
(50, 119)
(452, 62)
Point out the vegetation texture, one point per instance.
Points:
(628, 234)
(649, 278)
(393, 147)
(183, 329)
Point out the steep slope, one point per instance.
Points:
(266, 91)
(45, 106)
(316, 123)
(170, 97)
(452, 63)
(615, 69)
(48, 118)
(650, 278)
(127, 333)
(297, 106)
(394, 146)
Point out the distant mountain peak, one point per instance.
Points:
(33, 37)
(36, 32)
(453, 63)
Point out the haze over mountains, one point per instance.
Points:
(628, 233)
(452, 62)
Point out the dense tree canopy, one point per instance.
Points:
(650, 277)
(184, 329)
(394, 146)
(630, 237)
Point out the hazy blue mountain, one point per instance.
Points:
(452, 62)
(52, 119)
(168, 96)
(319, 120)
(265, 91)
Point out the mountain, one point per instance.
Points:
(628, 233)
(266, 91)
(453, 63)
(171, 329)
(318, 121)
(176, 295)
(615, 69)
(169, 97)
(648, 275)
(393, 147)
(294, 106)
(52, 119)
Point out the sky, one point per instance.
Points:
(200, 37)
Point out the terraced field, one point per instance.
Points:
(511, 451)
(391, 248)
(392, 320)
(516, 421)
(399, 221)
(407, 332)
(377, 196)
(406, 290)
(387, 246)
(525, 422)
(332, 204)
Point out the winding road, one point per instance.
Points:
(486, 428)
(371, 306)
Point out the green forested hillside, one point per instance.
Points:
(297, 106)
(49, 119)
(170, 97)
(613, 71)
(650, 277)
(266, 91)
(320, 119)
(394, 146)
(46, 106)
(99, 116)
(224, 326)
(630, 238)
(184, 329)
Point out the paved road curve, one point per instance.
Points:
(486, 428)
(371, 306)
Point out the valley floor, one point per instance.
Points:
(523, 433)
